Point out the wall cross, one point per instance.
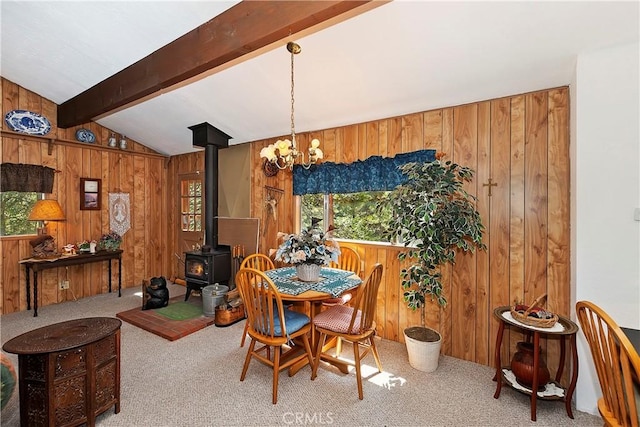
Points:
(490, 184)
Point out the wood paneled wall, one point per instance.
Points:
(521, 143)
(137, 171)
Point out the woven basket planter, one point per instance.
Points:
(423, 355)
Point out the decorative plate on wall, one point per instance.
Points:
(27, 122)
(85, 135)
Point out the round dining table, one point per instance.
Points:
(333, 282)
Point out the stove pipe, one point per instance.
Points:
(212, 139)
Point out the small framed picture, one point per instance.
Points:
(90, 199)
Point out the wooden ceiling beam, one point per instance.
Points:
(236, 33)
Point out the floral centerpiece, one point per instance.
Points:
(110, 241)
(308, 251)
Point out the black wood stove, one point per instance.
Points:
(211, 264)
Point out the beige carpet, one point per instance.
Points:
(195, 382)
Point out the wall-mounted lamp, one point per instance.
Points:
(46, 210)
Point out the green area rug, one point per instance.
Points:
(181, 310)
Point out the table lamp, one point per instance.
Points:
(46, 210)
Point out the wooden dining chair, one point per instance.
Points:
(260, 262)
(617, 365)
(349, 260)
(271, 325)
(354, 324)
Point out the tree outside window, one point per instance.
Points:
(15, 207)
(356, 216)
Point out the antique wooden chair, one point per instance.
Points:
(617, 365)
(260, 262)
(271, 324)
(354, 324)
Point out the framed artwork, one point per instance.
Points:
(90, 194)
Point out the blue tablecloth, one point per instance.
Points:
(332, 281)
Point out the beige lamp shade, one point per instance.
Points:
(46, 210)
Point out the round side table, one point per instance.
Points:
(553, 390)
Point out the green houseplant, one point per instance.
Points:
(110, 241)
(435, 217)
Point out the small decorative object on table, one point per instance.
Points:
(110, 241)
(44, 246)
(308, 251)
(308, 272)
(534, 315)
(87, 246)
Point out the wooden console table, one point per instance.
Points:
(504, 374)
(69, 371)
(36, 265)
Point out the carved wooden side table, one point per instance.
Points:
(553, 390)
(69, 371)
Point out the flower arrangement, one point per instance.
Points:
(311, 246)
(110, 241)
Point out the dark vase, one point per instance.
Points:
(522, 366)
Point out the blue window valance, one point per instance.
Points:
(373, 174)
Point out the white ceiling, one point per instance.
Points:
(401, 57)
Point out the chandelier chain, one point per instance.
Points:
(293, 129)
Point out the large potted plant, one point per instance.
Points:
(435, 218)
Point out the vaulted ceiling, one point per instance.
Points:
(380, 59)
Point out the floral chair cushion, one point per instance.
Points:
(338, 318)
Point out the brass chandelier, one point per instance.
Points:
(284, 154)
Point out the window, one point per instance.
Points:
(356, 216)
(15, 207)
(357, 193)
(191, 205)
